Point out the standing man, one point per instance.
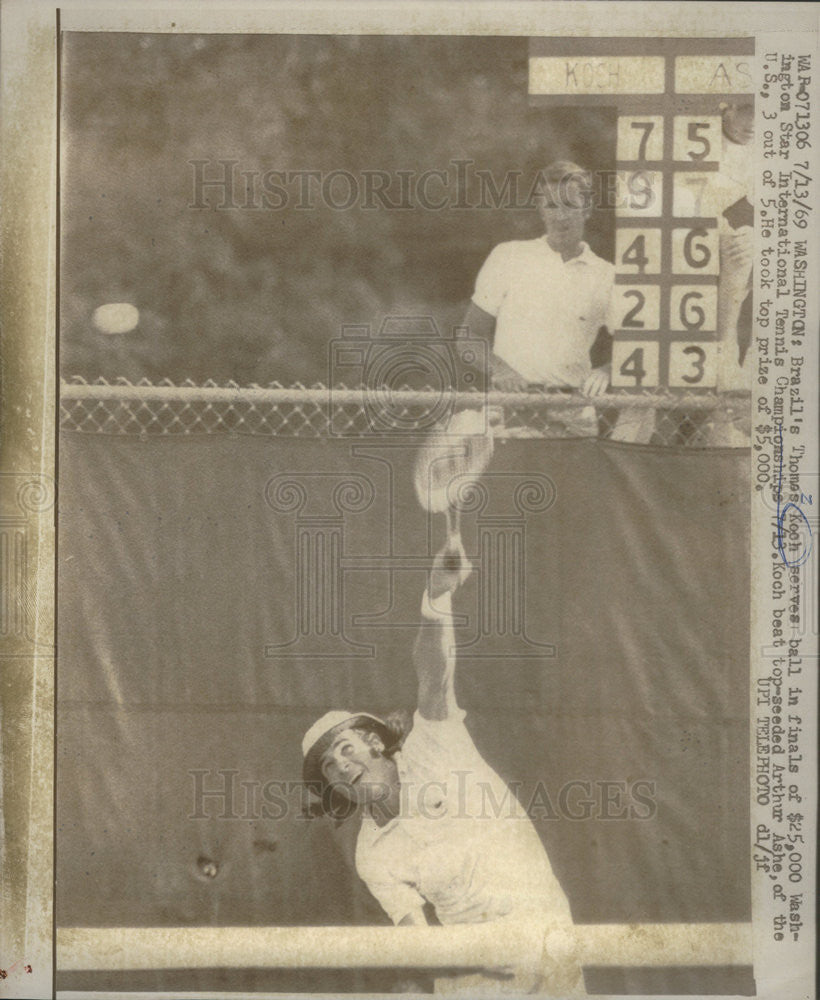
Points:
(542, 302)
(439, 826)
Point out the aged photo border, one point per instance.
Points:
(29, 349)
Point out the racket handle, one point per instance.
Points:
(452, 557)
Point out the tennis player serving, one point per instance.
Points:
(439, 826)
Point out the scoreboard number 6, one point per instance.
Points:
(695, 251)
(693, 307)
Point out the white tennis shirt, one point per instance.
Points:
(461, 841)
(548, 311)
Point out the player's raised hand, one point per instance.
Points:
(451, 567)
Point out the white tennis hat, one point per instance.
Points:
(320, 735)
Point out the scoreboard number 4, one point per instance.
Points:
(638, 251)
(635, 364)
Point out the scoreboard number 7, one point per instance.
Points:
(640, 138)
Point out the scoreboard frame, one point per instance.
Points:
(669, 136)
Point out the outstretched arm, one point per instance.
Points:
(434, 649)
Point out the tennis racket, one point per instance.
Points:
(458, 449)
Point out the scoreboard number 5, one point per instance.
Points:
(693, 365)
(635, 364)
(696, 140)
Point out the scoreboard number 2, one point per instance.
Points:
(637, 307)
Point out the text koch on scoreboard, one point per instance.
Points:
(668, 94)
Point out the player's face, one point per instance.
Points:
(564, 212)
(355, 767)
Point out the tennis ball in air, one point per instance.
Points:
(116, 317)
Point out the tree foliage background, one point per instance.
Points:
(255, 293)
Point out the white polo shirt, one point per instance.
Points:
(461, 841)
(548, 311)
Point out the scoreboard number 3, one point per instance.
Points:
(635, 364)
(693, 364)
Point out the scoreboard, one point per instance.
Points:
(668, 95)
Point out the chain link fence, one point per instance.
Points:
(651, 417)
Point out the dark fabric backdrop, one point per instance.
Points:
(176, 572)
